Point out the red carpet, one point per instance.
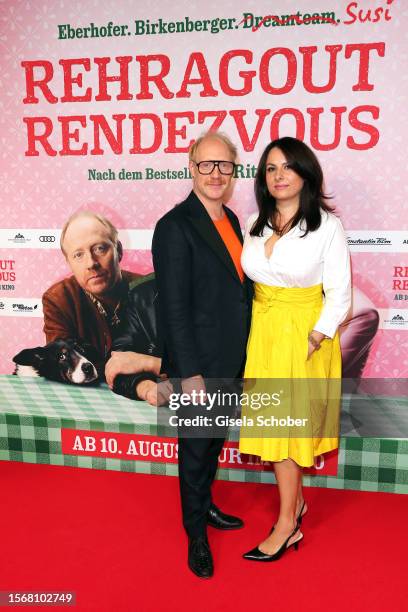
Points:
(116, 540)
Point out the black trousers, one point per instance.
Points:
(198, 454)
(198, 461)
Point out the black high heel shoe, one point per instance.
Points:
(257, 555)
(298, 519)
(300, 515)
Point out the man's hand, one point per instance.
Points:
(153, 393)
(147, 390)
(164, 390)
(128, 362)
(197, 384)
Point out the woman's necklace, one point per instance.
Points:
(281, 227)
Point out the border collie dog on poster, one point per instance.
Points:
(66, 361)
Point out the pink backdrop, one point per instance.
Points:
(40, 191)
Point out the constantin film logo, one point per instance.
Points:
(19, 239)
(24, 308)
(374, 241)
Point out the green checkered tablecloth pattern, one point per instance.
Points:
(33, 411)
(365, 464)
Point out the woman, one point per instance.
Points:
(295, 250)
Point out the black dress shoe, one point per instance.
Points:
(199, 557)
(257, 555)
(219, 520)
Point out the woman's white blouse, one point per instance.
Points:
(321, 256)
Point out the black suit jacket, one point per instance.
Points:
(203, 307)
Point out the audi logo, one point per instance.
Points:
(47, 238)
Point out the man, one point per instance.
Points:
(204, 312)
(91, 304)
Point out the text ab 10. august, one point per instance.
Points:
(148, 132)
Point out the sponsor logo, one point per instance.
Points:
(47, 238)
(24, 308)
(397, 321)
(19, 239)
(378, 240)
(392, 319)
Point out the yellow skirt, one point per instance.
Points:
(301, 420)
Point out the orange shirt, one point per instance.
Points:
(232, 243)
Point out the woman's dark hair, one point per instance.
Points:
(312, 198)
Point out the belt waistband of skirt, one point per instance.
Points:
(300, 297)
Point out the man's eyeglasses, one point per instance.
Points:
(206, 167)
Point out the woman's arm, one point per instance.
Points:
(336, 280)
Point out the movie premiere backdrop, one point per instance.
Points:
(101, 100)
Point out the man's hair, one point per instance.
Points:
(112, 231)
(212, 134)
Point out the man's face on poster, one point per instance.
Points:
(92, 255)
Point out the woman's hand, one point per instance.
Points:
(314, 344)
(128, 362)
